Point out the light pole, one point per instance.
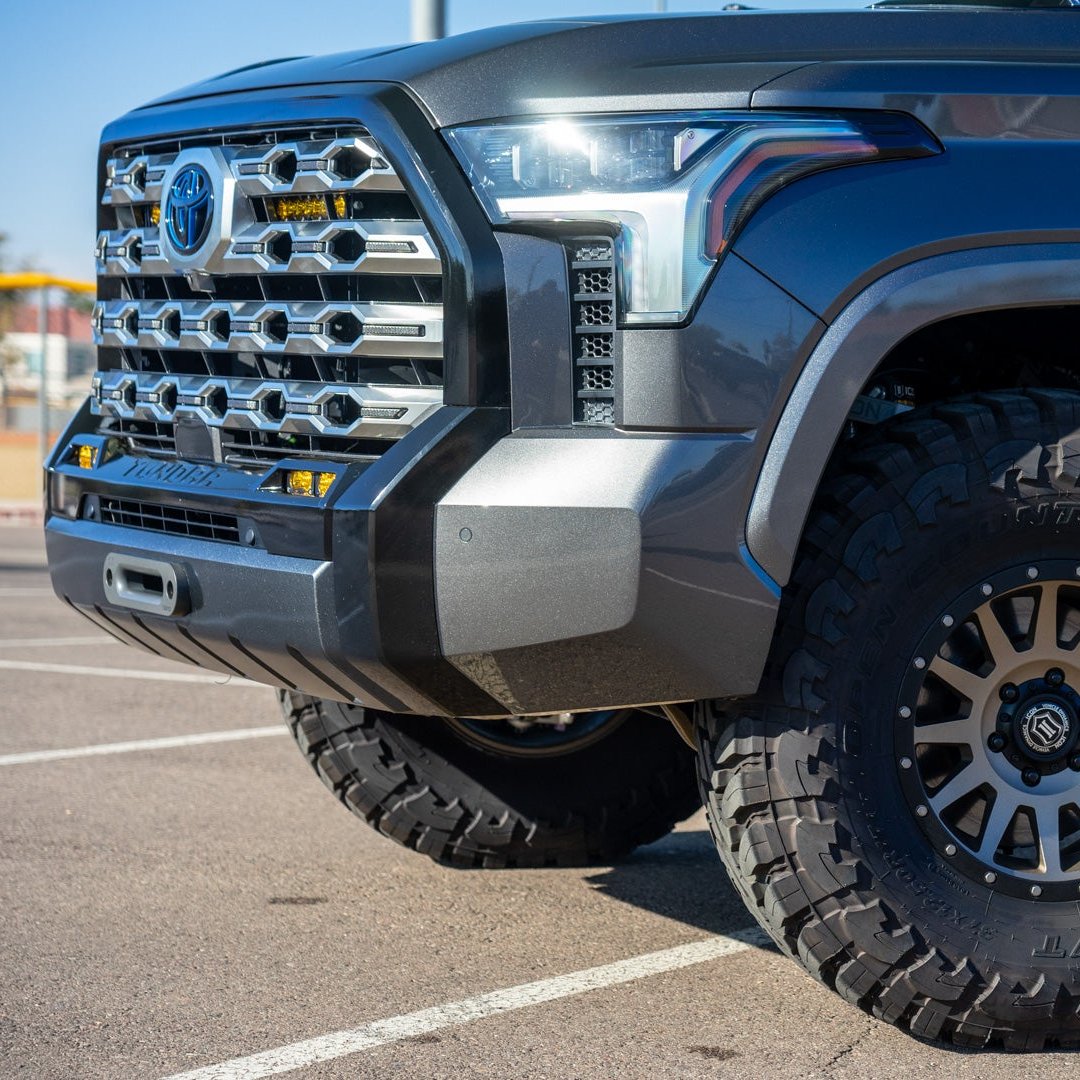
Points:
(43, 382)
(428, 20)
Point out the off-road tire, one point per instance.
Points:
(417, 781)
(802, 784)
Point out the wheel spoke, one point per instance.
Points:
(1002, 651)
(1045, 638)
(973, 687)
(1046, 817)
(965, 782)
(949, 733)
(997, 821)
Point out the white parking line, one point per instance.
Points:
(168, 742)
(43, 642)
(124, 673)
(340, 1043)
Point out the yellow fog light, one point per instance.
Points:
(300, 482)
(86, 456)
(298, 208)
(306, 482)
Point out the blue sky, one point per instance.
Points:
(70, 66)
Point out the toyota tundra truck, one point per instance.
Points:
(529, 404)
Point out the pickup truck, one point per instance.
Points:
(530, 404)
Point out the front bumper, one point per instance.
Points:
(468, 572)
(296, 602)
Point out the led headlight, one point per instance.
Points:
(675, 187)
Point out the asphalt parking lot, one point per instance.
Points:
(196, 906)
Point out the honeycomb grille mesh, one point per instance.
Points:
(596, 314)
(595, 346)
(598, 411)
(597, 378)
(593, 321)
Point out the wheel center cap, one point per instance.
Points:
(1045, 728)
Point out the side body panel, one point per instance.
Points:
(1011, 135)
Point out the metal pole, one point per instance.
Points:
(43, 382)
(660, 5)
(428, 20)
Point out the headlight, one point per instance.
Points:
(675, 187)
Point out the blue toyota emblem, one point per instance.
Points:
(189, 208)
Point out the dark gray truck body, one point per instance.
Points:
(489, 555)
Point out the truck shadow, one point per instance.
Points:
(679, 877)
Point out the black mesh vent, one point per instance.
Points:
(596, 314)
(598, 411)
(174, 520)
(595, 346)
(597, 378)
(594, 281)
(593, 318)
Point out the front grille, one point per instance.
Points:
(593, 322)
(174, 520)
(311, 315)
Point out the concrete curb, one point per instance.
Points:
(18, 513)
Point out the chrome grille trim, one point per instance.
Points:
(316, 166)
(325, 325)
(285, 247)
(386, 330)
(135, 178)
(273, 405)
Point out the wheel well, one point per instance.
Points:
(989, 350)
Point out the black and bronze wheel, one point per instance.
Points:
(988, 731)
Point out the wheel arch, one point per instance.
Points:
(858, 343)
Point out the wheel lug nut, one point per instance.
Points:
(1009, 692)
(1055, 676)
(1031, 777)
(997, 742)
(1074, 763)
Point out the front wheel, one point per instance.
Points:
(502, 793)
(901, 804)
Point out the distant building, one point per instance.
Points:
(69, 343)
(70, 359)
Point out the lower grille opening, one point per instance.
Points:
(174, 520)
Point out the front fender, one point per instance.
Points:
(861, 336)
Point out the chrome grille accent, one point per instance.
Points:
(306, 408)
(395, 330)
(314, 309)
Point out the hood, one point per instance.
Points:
(655, 62)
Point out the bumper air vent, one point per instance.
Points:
(593, 322)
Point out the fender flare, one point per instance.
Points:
(862, 335)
